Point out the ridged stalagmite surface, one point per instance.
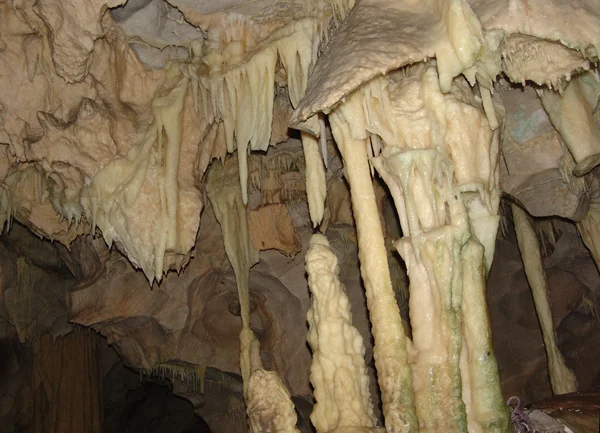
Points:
(338, 372)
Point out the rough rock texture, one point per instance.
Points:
(33, 286)
(194, 317)
(533, 167)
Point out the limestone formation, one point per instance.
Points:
(188, 158)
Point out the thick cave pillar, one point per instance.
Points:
(439, 157)
(67, 384)
(440, 163)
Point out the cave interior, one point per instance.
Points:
(294, 216)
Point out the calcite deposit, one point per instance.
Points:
(262, 196)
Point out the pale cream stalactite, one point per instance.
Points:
(153, 163)
(338, 371)
(268, 403)
(316, 188)
(390, 349)
(239, 88)
(562, 378)
(225, 197)
(167, 111)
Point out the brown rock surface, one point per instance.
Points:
(67, 384)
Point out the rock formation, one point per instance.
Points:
(424, 162)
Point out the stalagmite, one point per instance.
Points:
(409, 89)
(338, 372)
(561, 377)
(481, 384)
(269, 405)
(390, 350)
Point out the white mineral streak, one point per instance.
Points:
(390, 348)
(269, 405)
(147, 173)
(338, 371)
(561, 377)
(316, 188)
(223, 191)
(571, 115)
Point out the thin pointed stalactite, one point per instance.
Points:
(226, 199)
(268, 402)
(316, 188)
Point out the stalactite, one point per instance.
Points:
(225, 196)
(561, 377)
(390, 350)
(316, 188)
(269, 406)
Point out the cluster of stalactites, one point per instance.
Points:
(241, 95)
(413, 113)
(438, 154)
(191, 375)
(114, 198)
